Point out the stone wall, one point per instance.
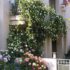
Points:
(4, 21)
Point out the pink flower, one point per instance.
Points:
(36, 58)
(18, 60)
(26, 59)
(29, 63)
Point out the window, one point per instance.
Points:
(52, 3)
(54, 46)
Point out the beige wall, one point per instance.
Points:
(60, 47)
(58, 6)
(67, 17)
(4, 21)
(47, 48)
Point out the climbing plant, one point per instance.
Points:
(41, 22)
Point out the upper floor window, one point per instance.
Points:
(14, 7)
(52, 3)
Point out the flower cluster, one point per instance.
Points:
(4, 56)
(28, 60)
(35, 61)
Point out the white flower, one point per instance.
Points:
(12, 44)
(21, 50)
(5, 59)
(6, 52)
(34, 64)
(28, 0)
(0, 57)
(15, 48)
(12, 52)
(26, 45)
(8, 57)
(18, 60)
(29, 63)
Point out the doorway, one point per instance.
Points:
(54, 48)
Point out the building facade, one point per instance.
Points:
(62, 44)
(4, 22)
(59, 47)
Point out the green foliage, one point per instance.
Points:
(17, 41)
(41, 22)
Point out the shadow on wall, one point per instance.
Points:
(67, 56)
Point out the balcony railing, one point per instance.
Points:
(63, 64)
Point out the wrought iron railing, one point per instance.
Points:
(63, 64)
